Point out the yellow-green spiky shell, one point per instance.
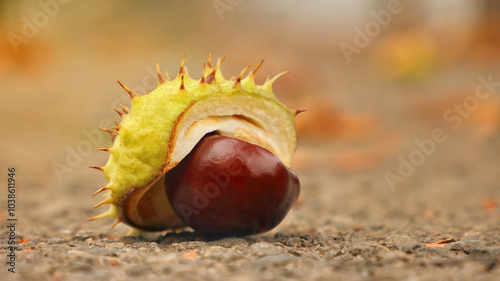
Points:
(164, 125)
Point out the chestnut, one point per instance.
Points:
(228, 186)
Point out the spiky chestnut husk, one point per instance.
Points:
(163, 126)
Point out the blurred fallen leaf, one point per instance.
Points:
(190, 255)
(321, 121)
(360, 127)
(359, 228)
(486, 119)
(344, 141)
(408, 53)
(29, 58)
(22, 241)
(489, 205)
(428, 214)
(440, 244)
(485, 44)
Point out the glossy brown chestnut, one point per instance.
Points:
(231, 187)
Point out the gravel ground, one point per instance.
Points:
(345, 227)
(318, 256)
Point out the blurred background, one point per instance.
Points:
(374, 76)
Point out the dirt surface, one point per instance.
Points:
(388, 166)
(345, 227)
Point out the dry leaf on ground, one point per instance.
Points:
(440, 244)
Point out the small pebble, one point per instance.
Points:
(56, 240)
(274, 260)
(485, 251)
(266, 249)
